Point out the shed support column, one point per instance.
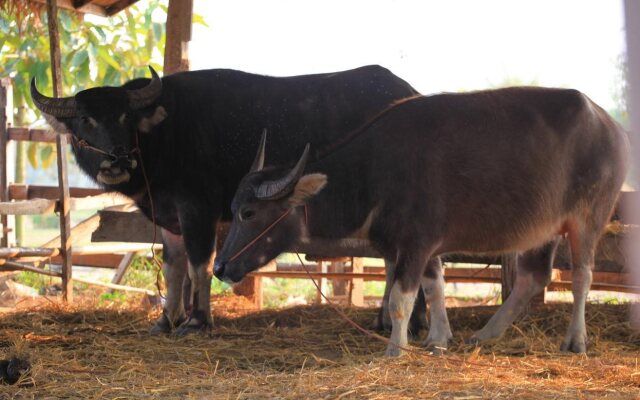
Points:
(632, 28)
(176, 50)
(64, 208)
(6, 110)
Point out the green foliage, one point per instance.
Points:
(36, 281)
(115, 297)
(95, 51)
(142, 273)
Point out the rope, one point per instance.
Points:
(155, 259)
(418, 352)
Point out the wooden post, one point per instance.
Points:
(339, 287)
(251, 286)
(122, 268)
(5, 114)
(54, 47)
(632, 28)
(65, 218)
(176, 49)
(356, 292)
(322, 283)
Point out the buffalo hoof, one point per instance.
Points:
(163, 326)
(436, 347)
(574, 346)
(194, 326)
(394, 351)
(473, 341)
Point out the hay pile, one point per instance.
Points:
(309, 352)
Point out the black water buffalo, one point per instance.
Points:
(195, 133)
(507, 170)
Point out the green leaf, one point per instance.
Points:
(47, 155)
(199, 19)
(31, 154)
(104, 54)
(79, 58)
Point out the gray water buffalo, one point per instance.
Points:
(509, 170)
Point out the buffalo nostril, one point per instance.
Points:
(219, 269)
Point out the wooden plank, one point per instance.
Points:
(114, 286)
(101, 201)
(115, 226)
(28, 207)
(45, 206)
(178, 28)
(92, 260)
(17, 252)
(32, 135)
(19, 191)
(65, 219)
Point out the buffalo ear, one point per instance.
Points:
(146, 124)
(307, 187)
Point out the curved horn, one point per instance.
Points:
(271, 190)
(258, 162)
(144, 97)
(63, 107)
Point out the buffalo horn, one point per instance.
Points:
(63, 107)
(258, 162)
(271, 190)
(144, 97)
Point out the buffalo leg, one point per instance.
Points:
(582, 254)
(198, 224)
(174, 267)
(533, 275)
(433, 289)
(402, 297)
(383, 322)
(418, 319)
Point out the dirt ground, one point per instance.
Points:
(309, 352)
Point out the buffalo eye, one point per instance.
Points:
(246, 214)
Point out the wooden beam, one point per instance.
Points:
(85, 9)
(28, 207)
(7, 265)
(17, 252)
(20, 191)
(178, 28)
(32, 135)
(115, 226)
(122, 268)
(107, 260)
(65, 219)
(114, 286)
(118, 6)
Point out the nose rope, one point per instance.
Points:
(83, 144)
(264, 232)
